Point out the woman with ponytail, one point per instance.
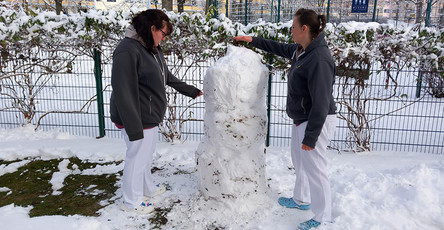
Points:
(311, 106)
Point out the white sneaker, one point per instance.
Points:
(160, 189)
(143, 208)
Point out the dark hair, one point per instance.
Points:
(143, 21)
(315, 22)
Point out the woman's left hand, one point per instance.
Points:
(200, 94)
(306, 147)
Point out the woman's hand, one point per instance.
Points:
(200, 94)
(307, 148)
(243, 38)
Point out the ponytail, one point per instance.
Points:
(322, 22)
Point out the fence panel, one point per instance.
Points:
(399, 12)
(416, 125)
(67, 92)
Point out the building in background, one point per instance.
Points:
(413, 11)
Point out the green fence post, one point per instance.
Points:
(374, 11)
(270, 62)
(328, 11)
(246, 11)
(429, 10)
(279, 11)
(262, 11)
(99, 88)
(226, 8)
(419, 84)
(213, 4)
(427, 24)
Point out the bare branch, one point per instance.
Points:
(55, 111)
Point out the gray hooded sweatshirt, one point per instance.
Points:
(139, 79)
(310, 83)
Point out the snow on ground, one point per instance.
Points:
(375, 190)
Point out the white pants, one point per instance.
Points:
(312, 184)
(137, 178)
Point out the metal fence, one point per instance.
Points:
(416, 125)
(67, 92)
(430, 12)
(409, 123)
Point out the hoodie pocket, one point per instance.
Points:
(303, 106)
(150, 106)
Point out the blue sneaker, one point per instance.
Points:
(290, 203)
(309, 224)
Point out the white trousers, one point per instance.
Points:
(312, 184)
(137, 178)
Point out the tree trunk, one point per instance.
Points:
(180, 4)
(167, 4)
(441, 17)
(419, 11)
(58, 6)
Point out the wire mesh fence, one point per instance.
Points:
(407, 122)
(400, 12)
(63, 101)
(411, 121)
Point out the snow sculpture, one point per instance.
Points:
(231, 158)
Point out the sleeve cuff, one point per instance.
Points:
(254, 41)
(135, 136)
(196, 93)
(310, 142)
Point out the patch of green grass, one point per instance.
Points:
(180, 171)
(2, 162)
(158, 219)
(82, 165)
(81, 194)
(29, 184)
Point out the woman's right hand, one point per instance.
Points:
(243, 38)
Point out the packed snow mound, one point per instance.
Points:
(231, 158)
(238, 80)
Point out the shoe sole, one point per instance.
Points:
(159, 191)
(300, 207)
(144, 211)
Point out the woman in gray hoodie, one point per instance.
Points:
(311, 106)
(138, 102)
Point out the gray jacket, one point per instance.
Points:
(310, 83)
(138, 100)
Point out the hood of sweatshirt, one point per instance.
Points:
(318, 41)
(130, 32)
